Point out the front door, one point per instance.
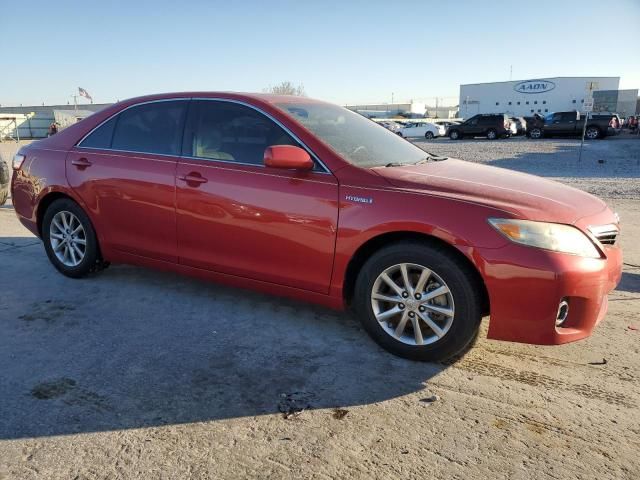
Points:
(124, 171)
(238, 217)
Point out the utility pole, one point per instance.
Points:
(591, 86)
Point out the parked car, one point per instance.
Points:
(5, 177)
(302, 198)
(392, 126)
(518, 125)
(572, 124)
(491, 126)
(422, 129)
(445, 123)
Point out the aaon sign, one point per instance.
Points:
(534, 86)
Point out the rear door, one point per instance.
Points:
(238, 217)
(124, 171)
(569, 123)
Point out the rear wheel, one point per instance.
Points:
(455, 135)
(70, 240)
(428, 135)
(492, 134)
(418, 301)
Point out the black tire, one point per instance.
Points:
(492, 134)
(454, 272)
(92, 261)
(535, 133)
(592, 133)
(455, 135)
(428, 135)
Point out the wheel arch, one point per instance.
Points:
(383, 240)
(52, 196)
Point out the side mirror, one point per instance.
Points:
(287, 156)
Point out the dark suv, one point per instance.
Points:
(492, 126)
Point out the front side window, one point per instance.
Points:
(218, 130)
(154, 127)
(357, 139)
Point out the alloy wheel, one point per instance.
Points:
(68, 238)
(412, 304)
(592, 133)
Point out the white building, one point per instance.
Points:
(526, 97)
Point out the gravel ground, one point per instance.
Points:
(139, 374)
(608, 168)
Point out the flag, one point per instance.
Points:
(84, 93)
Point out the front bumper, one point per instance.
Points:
(524, 295)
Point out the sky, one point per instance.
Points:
(340, 51)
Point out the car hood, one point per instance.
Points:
(523, 195)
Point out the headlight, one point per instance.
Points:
(550, 236)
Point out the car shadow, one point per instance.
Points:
(630, 282)
(131, 348)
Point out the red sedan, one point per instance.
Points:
(297, 197)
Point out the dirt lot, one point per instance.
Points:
(139, 374)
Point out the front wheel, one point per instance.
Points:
(428, 135)
(592, 133)
(455, 135)
(418, 301)
(70, 240)
(535, 133)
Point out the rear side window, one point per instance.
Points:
(230, 132)
(151, 128)
(101, 136)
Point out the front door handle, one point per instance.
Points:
(193, 177)
(81, 163)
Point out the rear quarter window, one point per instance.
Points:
(101, 137)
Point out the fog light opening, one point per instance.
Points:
(563, 312)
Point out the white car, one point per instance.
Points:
(422, 129)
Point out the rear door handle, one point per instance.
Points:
(193, 177)
(81, 162)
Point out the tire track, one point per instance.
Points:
(534, 379)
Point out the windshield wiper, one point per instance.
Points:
(428, 158)
(396, 164)
(431, 158)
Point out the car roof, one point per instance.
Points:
(241, 96)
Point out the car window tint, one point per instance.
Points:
(218, 130)
(101, 136)
(151, 128)
(569, 117)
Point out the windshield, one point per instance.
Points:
(357, 139)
